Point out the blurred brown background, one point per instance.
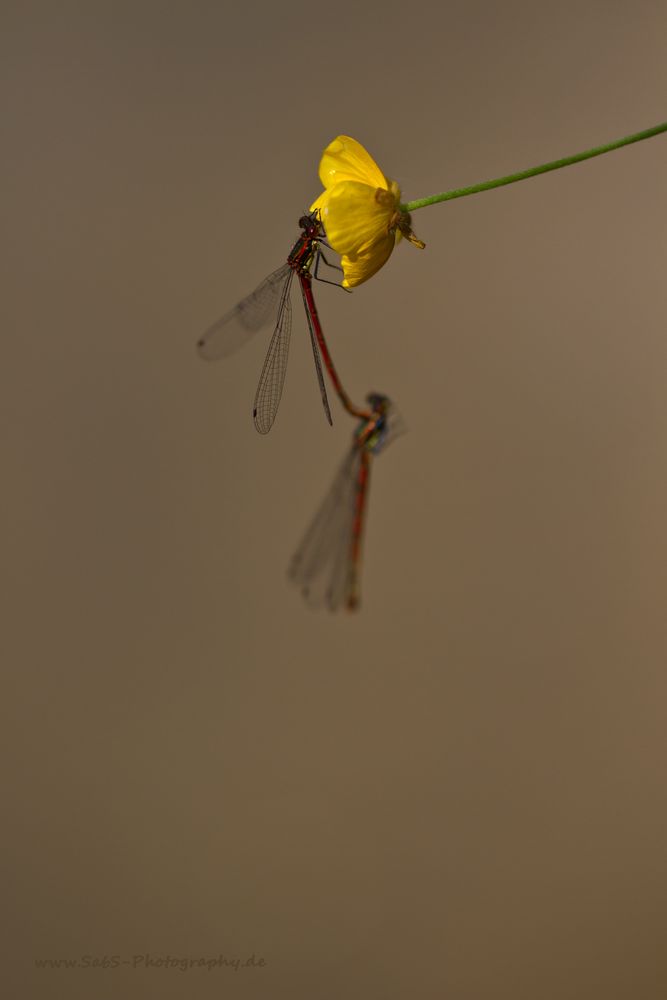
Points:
(459, 792)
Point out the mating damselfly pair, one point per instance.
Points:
(326, 564)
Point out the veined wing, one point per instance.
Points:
(325, 566)
(228, 334)
(272, 379)
(321, 566)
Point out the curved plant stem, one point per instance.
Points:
(544, 168)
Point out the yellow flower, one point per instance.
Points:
(360, 210)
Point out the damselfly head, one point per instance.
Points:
(310, 224)
(378, 402)
(387, 423)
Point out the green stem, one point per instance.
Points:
(533, 171)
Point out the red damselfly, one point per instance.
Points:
(229, 333)
(326, 565)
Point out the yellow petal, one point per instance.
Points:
(362, 267)
(345, 159)
(355, 215)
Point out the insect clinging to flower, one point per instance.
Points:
(360, 209)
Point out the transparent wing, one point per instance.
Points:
(321, 566)
(318, 360)
(228, 334)
(325, 566)
(272, 379)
